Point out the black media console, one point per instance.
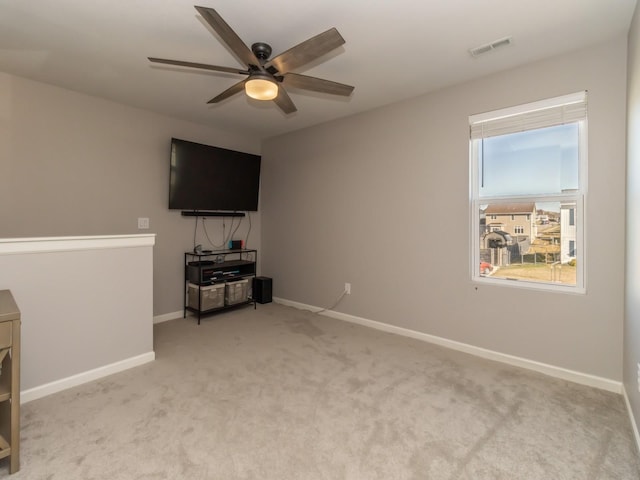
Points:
(218, 280)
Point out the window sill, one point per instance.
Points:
(537, 286)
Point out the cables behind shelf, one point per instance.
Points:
(227, 234)
(246, 239)
(225, 239)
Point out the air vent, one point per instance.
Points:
(482, 49)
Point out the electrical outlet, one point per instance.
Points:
(143, 223)
(347, 290)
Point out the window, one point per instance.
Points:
(530, 162)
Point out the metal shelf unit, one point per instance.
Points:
(218, 270)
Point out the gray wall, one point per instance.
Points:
(632, 303)
(381, 200)
(72, 164)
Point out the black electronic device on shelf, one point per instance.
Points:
(208, 272)
(206, 213)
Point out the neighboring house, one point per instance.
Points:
(568, 229)
(513, 221)
(517, 219)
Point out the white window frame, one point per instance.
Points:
(514, 114)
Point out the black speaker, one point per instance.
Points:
(262, 289)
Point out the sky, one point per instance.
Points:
(542, 161)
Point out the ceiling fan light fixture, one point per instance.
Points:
(268, 79)
(261, 87)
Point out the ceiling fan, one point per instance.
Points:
(266, 78)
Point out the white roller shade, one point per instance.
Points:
(546, 113)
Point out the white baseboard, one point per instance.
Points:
(167, 316)
(551, 370)
(84, 377)
(634, 425)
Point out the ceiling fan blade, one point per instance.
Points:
(307, 51)
(284, 101)
(316, 84)
(232, 90)
(228, 36)
(202, 66)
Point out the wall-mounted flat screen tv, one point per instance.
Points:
(203, 177)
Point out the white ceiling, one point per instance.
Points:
(395, 49)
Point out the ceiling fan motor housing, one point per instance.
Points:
(261, 50)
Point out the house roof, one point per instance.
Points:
(554, 248)
(510, 208)
(552, 231)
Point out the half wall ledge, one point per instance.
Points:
(86, 303)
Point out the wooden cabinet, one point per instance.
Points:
(9, 380)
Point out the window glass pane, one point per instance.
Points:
(535, 162)
(541, 249)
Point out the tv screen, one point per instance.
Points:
(203, 177)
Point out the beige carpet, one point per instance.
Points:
(277, 393)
